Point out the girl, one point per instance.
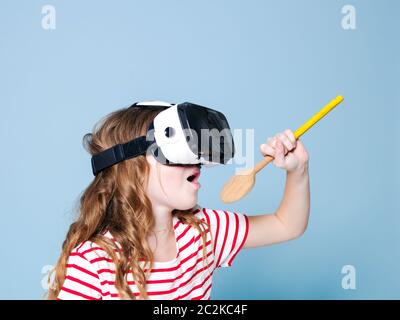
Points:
(140, 233)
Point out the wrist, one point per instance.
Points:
(300, 171)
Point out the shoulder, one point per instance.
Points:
(210, 215)
(219, 219)
(91, 251)
(207, 215)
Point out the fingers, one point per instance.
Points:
(267, 150)
(279, 154)
(287, 139)
(289, 133)
(287, 151)
(302, 151)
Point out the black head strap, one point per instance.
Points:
(118, 153)
(121, 152)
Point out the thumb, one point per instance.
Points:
(267, 150)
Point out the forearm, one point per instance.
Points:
(291, 218)
(294, 208)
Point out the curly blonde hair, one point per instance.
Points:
(116, 201)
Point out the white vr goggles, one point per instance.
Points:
(181, 134)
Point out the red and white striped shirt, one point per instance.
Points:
(90, 272)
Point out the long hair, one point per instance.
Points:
(116, 201)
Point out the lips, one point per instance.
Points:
(193, 177)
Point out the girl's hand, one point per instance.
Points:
(276, 147)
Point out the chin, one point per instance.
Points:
(187, 206)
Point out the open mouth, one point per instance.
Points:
(193, 178)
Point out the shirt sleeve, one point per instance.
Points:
(81, 281)
(229, 232)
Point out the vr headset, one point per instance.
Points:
(181, 134)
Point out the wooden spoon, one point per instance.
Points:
(240, 184)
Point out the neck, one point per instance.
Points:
(162, 220)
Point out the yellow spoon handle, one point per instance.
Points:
(318, 116)
(307, 125)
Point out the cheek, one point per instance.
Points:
(165, 181)
(168, 185)
(171, 177)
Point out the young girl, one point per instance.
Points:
(140, 233)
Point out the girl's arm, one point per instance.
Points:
(291, 218)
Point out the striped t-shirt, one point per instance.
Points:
(90, 272)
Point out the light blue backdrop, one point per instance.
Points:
(268, 65)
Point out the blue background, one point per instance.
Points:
(267, 65)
